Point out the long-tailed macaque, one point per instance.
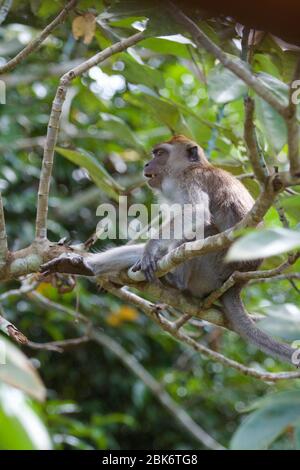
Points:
(183, 175)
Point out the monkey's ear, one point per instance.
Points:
(193, 154)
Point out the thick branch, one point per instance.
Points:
(236, 66)
(53, 126)
(36, 43)
(29, 259)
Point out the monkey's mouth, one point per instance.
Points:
(153, 179)
(150, 175)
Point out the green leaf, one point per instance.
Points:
(291, 205)
(276, 86)
(141, 73)
(263, 244)
(17, 370)
(272, 124)
(224, 86)
(167, 113)
(263, 63)
(96, 171)
(282, 321)
(268, 422)
(160, 22)
(120, 130)
(129, 8)
(168, 45)
(22, 428)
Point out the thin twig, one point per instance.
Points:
(244, 176)
(158, 391)
(182, 320)
(236, 66)
(247, 276)
(25, 288)
(36, 43)
(136, 368)
(255, 154)
(53, 126)
(59, 346)
(12, 331)
(281, 214)
(279, 277)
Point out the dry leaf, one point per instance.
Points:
(84, 26)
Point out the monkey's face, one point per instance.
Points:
(171, 159)
(157, 169)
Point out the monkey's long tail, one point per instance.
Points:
(114, 259)
(246, 328)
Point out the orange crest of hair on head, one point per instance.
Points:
(180, 139)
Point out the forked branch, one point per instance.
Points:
(37, 42)
(53, 126)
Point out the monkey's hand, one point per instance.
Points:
(68, 263)
(148, 265)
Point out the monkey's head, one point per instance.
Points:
(172, 159)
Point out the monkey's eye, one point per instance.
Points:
(193, 155)
(159, 152)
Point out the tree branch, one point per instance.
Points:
(158, 391)
(36, 43)
(255, 154)
(151, 310)
(183, 418)
(53, 126)
(12, 331)
(247, 276)
(236, 66)
(59, 346)
(278, 277)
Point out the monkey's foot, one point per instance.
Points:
(67, 263)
